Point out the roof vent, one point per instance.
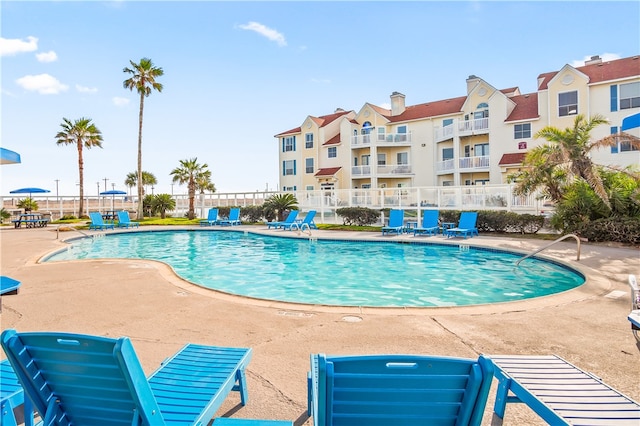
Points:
(594, 60)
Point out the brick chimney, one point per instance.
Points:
(472, 81)
(397, 103)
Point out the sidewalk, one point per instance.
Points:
(160, 313)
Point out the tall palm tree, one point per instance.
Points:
(143, 80)
(190, 172)
(568, 157)
(83, 134)
(148, 178)
(203, 182)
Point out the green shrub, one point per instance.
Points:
(360, 216)
(615, 229)
(252, 213)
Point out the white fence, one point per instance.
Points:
(325, 202)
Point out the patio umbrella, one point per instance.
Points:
(113, 193)
(9, 157)
(29, 191)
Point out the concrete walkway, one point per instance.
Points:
(160, 313)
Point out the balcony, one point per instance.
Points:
(461, 128)
(399, 170)
(378, 139)
(466, 164)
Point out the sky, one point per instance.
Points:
(236, 73)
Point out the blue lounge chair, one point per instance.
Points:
(233, 219)
(8, 285)
(98, 223)
(466, 226)
(634, 315)
(307, 222)
(90, 380)
(429, 223)
(559, 392)
(212, 218)
(291, 218)
(397, 390)
(396, 222)
(124, 221)
(12, 398)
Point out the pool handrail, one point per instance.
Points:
(564, 237)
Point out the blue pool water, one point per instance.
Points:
(344, 273)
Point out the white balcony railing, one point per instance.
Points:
(461, 128)
(446, 165)
(396, 169)
(360, 171)
(359, 141)
(480, 162)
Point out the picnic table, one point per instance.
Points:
(31, 220)
(110, 215)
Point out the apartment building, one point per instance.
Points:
(475, 139)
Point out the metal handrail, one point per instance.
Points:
(564, 237)
(72, 227)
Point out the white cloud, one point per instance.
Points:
(83, 89)
(605, 57)
(42, 83)
(267, 32)
(321, 80)
(13, 46)
(117, 101)
(49, 56)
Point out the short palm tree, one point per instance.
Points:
(147, 179)
(281, 203)
(28, 204)
(568, 157)
(163, 202)
(190, 172)
(83, 134)
(143, 80)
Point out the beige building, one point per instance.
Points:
(475, 139)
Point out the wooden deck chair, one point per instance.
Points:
(381, 390)
(75, 379)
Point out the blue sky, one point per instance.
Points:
(237, 73)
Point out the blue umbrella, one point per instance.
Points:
(8, 157)
(29, 191)
(113, 193)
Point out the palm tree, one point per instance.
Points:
(84, 134)
(143, 80)
(190, 172)
(281, 203)
(568, 158)
(147, 179)
(163, 202)
(203, 182)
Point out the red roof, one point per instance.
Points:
(605, 71)
(514, 158)
(330, 171)
(526, 107)
(430, 109)
(334, 140)
(321, 121)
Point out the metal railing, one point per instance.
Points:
(564, 237)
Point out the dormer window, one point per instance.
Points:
(567, 103)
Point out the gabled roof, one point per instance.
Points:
(514, 158)
(295, 130)
(430, 109)
(526, 107)
(321, 121)
(605, 71)
(330, 171)
(333, 141)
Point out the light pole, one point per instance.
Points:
(105, 183)
(57, 180)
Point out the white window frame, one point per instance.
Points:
(567, 109)
(289, 168)
(632, 99)
(308, 169)
(308, 140)
(332, 152)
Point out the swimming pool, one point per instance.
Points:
(331, 272)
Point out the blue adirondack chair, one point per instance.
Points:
(306, 222)
(124, 221)
(212, 218)
(399, 390)
(98, 223)
(429, 223)
(466, 226)
(291, 218)
(12, 398)
(396, 222)
(91, 380)
(8, 285)
(233, 219)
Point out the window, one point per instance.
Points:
(333, 152)
(567, 103)
(366, 186)
(482, 111)
(308, 140)
(467, 151)
(365, 160)
(308, 165)
(401, 134)
(481, 149)
(382, 159)
(630, 95)
(447, 122)
(447, 154)
(622, 146)
(289, 144)
(381, 133)
(522, 131)
(289, 167)
(309, 188)
(402, 158)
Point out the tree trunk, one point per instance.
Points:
(81, 177)
(140, 189)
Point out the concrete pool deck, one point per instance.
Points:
(160, 312)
